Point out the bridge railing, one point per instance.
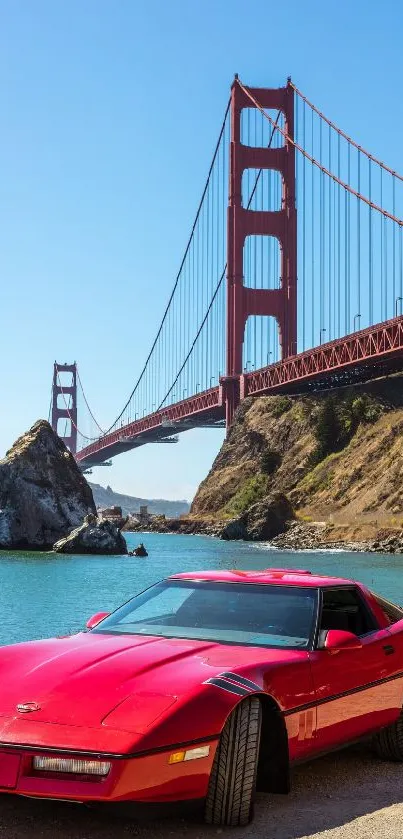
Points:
(375, 344)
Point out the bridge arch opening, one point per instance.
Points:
(65, 378)
(262, 190)
(262, 262)
(64, 427)
(261, 345)
(256, 130)
(64, 401)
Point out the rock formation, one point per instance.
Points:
(94, 536)
(262, 521)
(43, 494)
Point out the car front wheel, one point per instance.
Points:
(232, 784)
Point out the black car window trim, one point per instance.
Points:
(385, 604)
(362, 601)
(315, 622)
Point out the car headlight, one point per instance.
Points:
(71, 765)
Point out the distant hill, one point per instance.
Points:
(130, 504)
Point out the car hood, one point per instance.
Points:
(80, 680)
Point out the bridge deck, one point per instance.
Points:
(203, 409)
(374, 351)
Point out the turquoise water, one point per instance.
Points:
(49, 594)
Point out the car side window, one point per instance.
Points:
(392, 613)
(343, 608)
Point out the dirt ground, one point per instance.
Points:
(348, 795)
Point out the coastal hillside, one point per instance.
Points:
(106, 497)
(338, 457)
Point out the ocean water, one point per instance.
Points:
(44, 594)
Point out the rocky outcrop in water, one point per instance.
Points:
(43, 494)
(94, 536)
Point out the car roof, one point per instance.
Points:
(268, 576)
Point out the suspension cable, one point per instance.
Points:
(195, 339)
(180, 269)
(84, 436)
(86, 402)
(344, 135)
(315, 162)
(219, 282)
(50, 404)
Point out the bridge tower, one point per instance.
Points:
(244, 302)
(64, 411)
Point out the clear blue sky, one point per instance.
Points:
(109, 114)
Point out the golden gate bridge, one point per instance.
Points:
(291, 280)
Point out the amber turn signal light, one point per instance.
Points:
(190, 754)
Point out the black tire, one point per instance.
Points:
(388, 743)
(232, 785)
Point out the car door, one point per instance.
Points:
(357, 690)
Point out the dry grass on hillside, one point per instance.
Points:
(273, 446)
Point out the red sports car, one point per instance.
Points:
(203, 688)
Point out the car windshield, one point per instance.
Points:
(228, 613)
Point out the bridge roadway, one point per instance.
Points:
(366, 354)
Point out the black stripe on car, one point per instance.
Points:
(224, 684)
(247, 683)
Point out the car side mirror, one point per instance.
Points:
(96, 619)
(337, 640)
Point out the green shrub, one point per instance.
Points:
(336, 422)
(300, 412)
(281, 405)
(248, 493)
(327, 429)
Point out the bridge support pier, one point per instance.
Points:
(242, 301)
(230, 396)
(68, 410)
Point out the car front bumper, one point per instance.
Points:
(146, 778)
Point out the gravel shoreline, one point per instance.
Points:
(346, 795)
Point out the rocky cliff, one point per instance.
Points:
(43, 494)
(337, 457)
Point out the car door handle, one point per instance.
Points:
(388, 649)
